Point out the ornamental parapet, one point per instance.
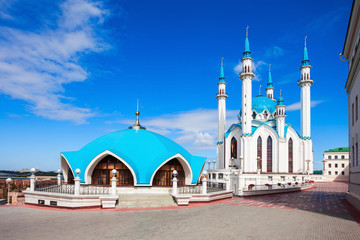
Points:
(304, 82)
(243, 75)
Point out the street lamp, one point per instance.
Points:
(8, 181)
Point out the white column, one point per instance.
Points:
(204, 182)
(214, 162)
(174, 180)
(32, 180)
(113, 182)
(77, 182)
(59, 177)
(8, 181)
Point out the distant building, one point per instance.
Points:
(27, 170)
(336, 164)
(351, 51)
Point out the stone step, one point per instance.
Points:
(145, 200)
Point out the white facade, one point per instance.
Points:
(336, 164)
(352, 53)
(262, 144)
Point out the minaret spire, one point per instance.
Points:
(137, 122)
(247, 52)
(305, 60)
(269, 86)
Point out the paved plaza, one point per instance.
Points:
(319, 213)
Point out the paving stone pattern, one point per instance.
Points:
(319, 213)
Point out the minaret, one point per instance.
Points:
(305, 83)
(280, 116)
(137, 125)
(269, 86)
(246, 76)
(221, 97)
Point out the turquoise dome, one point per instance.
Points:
(144, 151)
(260, 103)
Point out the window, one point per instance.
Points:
(342, 173)
(336, 165)
(259, 152)
(342, 156)
(221, 176)
(269, 154)
(234, 147)
(356, 108)
(329, 157)
(352, 114)
(270, 178)
(290, 155)
(336, 157)
(336, 172)
(343, 165)
(254, 115)
(356, 154)
(294, 178)
(282, 178)
(214, 176)
(329, 173)
(329, 165)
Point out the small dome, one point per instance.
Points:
(260, 103)
(280, 101)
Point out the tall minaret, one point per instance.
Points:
(269, 86)
(246, 76)
(221, 96)
(305, 83)
(280, 116)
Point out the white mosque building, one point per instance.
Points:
(263, 148)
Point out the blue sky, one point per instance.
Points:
(71, 71)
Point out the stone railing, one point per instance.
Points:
(252, 187)
(215, 187)
(189, 189)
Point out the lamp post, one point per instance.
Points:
(214, 162)
(209, 162)
(8, 181)
(77, 182)
(204, 182)
(113, 182)
(174, 183)
(59, 177)
(32, 179)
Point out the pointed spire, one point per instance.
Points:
(137, 122)
(269, 83)
(222, 75)
(305, 60)
(247, 52)
(260, 90)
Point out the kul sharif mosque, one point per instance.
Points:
(263, 143)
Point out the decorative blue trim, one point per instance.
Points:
(305, 138)
(219, 143)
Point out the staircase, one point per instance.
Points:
(145, 200)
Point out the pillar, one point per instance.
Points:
(113, 183)
(77, 182)
(59, 177)
(204, 183)
(174, 180)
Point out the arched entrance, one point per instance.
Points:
(102, 173)
(164, 176)
(70, 179)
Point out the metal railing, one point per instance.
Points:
(70, 189)
(215, 187)
(64, 189)
(252, 187)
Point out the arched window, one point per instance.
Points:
(254, 115)
(248, 68)
(234, 147)
(164, 175)
(269, 154)
(102, 173)
(259, 153)
(290, 150)
(308, 76)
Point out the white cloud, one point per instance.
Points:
(35, 66)
(274, 52)
(196, 130)
(257, 66)
(296, 106)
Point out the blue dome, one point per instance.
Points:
(144, 151)
(260, 103)
(280, 101)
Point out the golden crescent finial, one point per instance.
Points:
(305, 40)
(280, 92)
(222, 61)
(259, 90)
(247, 32)
(270, 67)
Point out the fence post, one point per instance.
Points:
(113, 182)
(59, 177)
(32, 180)
(204, 182)
(174, 183)
(77, 182)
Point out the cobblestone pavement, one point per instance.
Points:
(320, 213)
